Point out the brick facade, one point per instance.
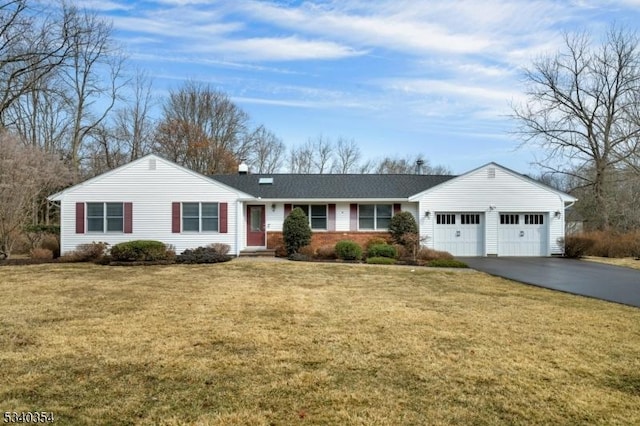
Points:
(319, 239)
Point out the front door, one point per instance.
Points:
(255, 226)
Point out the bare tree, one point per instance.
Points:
(347, 156)
(322, 154)
(134, 126)
(27, 174)
(409, 165)
(92, 74)
(33, 44)
(267, 155)
(40, 117)
(203, 129)
(314, 156)
(301, 159)
(582, 108)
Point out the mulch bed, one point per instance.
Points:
(26, 261)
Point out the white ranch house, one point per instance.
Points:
(488, 211)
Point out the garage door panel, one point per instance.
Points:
(461, 234)
(522, 234)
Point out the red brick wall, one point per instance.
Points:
(318, 239)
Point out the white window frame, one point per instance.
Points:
(310, 216)
(105, 218)
(376, 227)
(200, 217)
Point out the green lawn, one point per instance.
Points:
(278, 343)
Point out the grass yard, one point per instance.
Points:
(628, 262)
(282, 343)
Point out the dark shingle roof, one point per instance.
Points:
(332, 186)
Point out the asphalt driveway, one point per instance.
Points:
(606, 282)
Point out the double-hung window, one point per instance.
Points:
(200, 217)
(316, 213)
(105, 217)
(374, 216)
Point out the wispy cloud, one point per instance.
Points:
(449, 67)
(278, 49)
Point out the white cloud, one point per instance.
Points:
(279, 49)
(442, 27)
(454, 98)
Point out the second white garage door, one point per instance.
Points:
(522, 234)
(461, 234)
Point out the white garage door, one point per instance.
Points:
(522, 234)
(461, 234)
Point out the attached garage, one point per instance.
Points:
(523, 234)
(461, 234)
(493, 211)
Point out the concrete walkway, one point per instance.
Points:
(591, 279)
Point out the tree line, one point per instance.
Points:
(66, 88)
(72, 107)
(69, 95)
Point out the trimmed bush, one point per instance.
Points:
(220, 248)
(374, 241)
(41, 253)
(380, 260)
(92, 252)
(575, 246)
(427, 254)
(402, 223)
(36, 234)
(326, 252)
(403, 253)
(51, 242)
(382, 250)
(296, 231)
(348, 250)
(307, 251)
(214, 253)
(447, 263)
(141, 250)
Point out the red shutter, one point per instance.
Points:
(79, 218)
(353, 223)
(287, 209)
(331, 225)
(397, 208)
(128, 218)
(175, 218)
(223, 218)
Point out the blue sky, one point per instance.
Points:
(399, 77)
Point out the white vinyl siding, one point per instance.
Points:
(491, 193)
(152, 188)
(275, 215)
